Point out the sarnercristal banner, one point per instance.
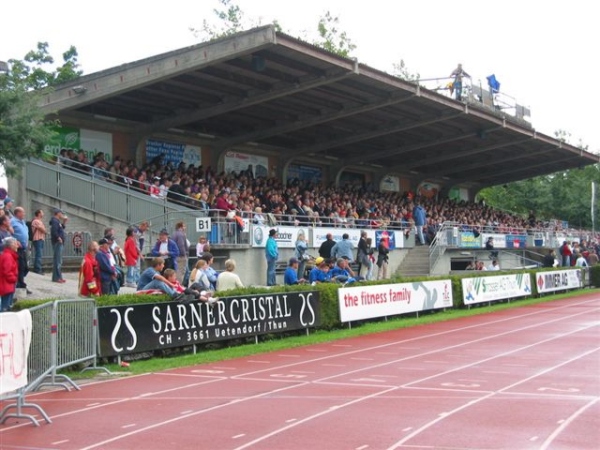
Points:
(137, 328)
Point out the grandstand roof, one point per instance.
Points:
(268, 90)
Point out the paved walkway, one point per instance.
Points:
(42, 287)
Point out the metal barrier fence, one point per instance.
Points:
(39, 365)
(64, 333)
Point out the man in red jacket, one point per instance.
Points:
(89, 273)
(9, 274)
(132, 256)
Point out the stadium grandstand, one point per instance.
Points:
(260, 130)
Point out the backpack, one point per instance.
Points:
(29, 230)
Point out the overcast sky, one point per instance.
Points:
(542, 52)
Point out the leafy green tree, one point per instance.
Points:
(23, 127)
(331, 38)
(563, 195)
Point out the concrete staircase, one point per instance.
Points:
(415, 263)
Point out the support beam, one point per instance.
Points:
(382, 131)
(462, 154)
(212, 111)
(310, 121)
(110, 82)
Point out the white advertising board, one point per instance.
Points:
(558, 280)
(366, 302)
(499, 287)
(15, 339)
(286, 236)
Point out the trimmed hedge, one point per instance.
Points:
(328, 297)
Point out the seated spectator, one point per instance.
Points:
(194, 292)
(198, 275)
(342, 272)
(290, 277)
(229, 280)
(151, 279)
(494, 266)
(320, 273)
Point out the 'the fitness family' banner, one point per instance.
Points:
(558, 280)
(140, 328)
(487, 289)
(366, 302)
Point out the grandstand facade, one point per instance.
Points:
(270, 105)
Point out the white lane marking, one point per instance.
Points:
(362, 447)
(290, 420)
(93, 404)
(187, 412)
(237, 436)
(565, 423)
(301, 371)
(491, 394)
(211, 371)
(60, 442)
(362, 359)
(534, 438)
(407, 429)
(129, 425)
(493, 371)
(333, 365)
(569, 390)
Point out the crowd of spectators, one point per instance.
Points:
(297, 202)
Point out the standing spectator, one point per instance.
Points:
(132, 256)
(565, 253)
(38, 239)
(21, 233)
(89, 273)
(272, 254)
(167, 249)
(343, 249)
(383, 257)
(326, 246)
(5, 229)
(9, 261)
(108, 273)
(420, 218)
(183, 246)
(363, 255)
(140, 235)
(229, 280)
(549, 259)
(202, 246)
(300, 253)
(580, 261)
(458, 75)
(57, 238)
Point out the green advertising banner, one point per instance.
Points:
(77, 139)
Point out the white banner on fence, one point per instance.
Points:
(365, 302)
(498, 239)
(487, 289)
(320, 235)
(558, 280)
(286, 236)
(15, 338)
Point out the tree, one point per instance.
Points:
(401, 71)
(23, 128)
(331, 38)
(230, 20)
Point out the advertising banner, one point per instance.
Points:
(15, 339)
(146, 327)
(498, 239)
(173, 152)
(558, 280)
(487, 289)
(516, 240)
(366, 302)
(286, 236)
(390, 183)
(237, 162)
(468, 240)
(303, 172)
(320, 235)
(76, 139)
(390, 235)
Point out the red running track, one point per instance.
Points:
(525, 378)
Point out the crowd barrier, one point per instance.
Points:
(63, 333)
